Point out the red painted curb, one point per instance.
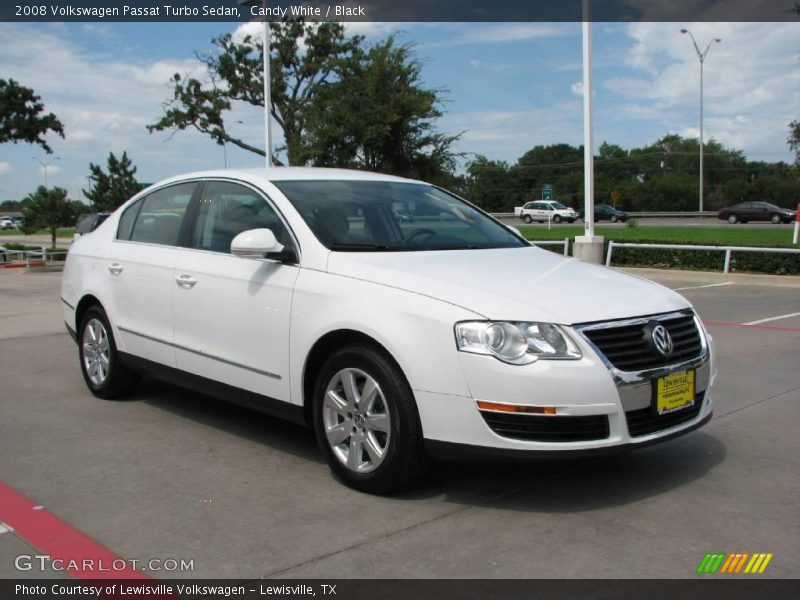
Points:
(80, 556)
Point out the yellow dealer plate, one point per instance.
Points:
(674, 392)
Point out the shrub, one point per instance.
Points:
(705, 260)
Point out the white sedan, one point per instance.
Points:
(302, 293)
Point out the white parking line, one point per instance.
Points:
(697, 287)
(760, 321)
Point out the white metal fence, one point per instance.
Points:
(31, 258)
(564, 243)
(727, 249)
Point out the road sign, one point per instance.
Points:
(547, 191)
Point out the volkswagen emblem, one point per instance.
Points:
(662, 340)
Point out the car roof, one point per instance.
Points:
(275, 174)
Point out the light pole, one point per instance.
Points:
(45, 166)
(702, 57)
(266, 65)
(588, 247)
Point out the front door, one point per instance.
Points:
(232, 314)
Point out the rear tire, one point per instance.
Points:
(103, 371)
(366, 421)
(732, 219)
(528, 219)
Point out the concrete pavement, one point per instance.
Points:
(172, 474)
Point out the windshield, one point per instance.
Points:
(393, 216)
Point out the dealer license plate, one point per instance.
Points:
(674, 392)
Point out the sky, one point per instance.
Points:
(508, 87)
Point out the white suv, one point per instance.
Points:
(545, 210)
(302, 293)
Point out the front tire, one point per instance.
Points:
(776, 219)
(557, 219)
(614, 218)
(366, 421)
(103, 371)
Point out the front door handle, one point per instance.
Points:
(185, 280)
(115, 268)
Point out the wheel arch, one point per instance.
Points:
(84, 304)
(323, 348)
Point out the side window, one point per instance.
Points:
(159, 220)
(127, 219)
(528, 206)
(228, 209)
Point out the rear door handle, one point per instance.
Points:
(115, 268)
(185, 280)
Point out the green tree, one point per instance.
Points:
(111, 189)
(379, 116)
(22, 117)
(794, 140)
(49, 209)
(235, 76)
(490, 185)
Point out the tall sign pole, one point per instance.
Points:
(267, 100)
(266, 67)
(588, 247)
(588, 144)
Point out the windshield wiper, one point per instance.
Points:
(344, 247)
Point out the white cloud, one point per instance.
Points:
(5, 168)
(104, 104)
(507, 134)
(50, 170)
(499, 33)
(751, 81)
(494, 67)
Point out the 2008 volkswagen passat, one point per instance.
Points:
(311, 294)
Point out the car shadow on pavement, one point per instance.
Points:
(577, 485)
(284, 436)
(546, 485)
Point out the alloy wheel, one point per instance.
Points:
(356, 419)
(96, 352)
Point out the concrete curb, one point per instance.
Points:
(714, 277)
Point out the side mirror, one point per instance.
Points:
(261, 243)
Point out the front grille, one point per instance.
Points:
(547, 429)
(630, 348)
(645, 421)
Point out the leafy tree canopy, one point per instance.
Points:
(50, 209)
(22, 117)
(378, 116)
(235, 76)
(112, 188)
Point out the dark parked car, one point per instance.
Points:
(756, 211)
(607, 212)
(89, 223)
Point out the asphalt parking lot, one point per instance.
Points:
(169, 474)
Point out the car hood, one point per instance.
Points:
(524, 284)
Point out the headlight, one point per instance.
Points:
(517, 343)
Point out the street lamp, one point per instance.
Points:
(266, 64)
(702, 57)
(45, 165)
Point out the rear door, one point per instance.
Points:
(232, 314)
(139, 270)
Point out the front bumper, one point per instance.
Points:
(590, 389)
